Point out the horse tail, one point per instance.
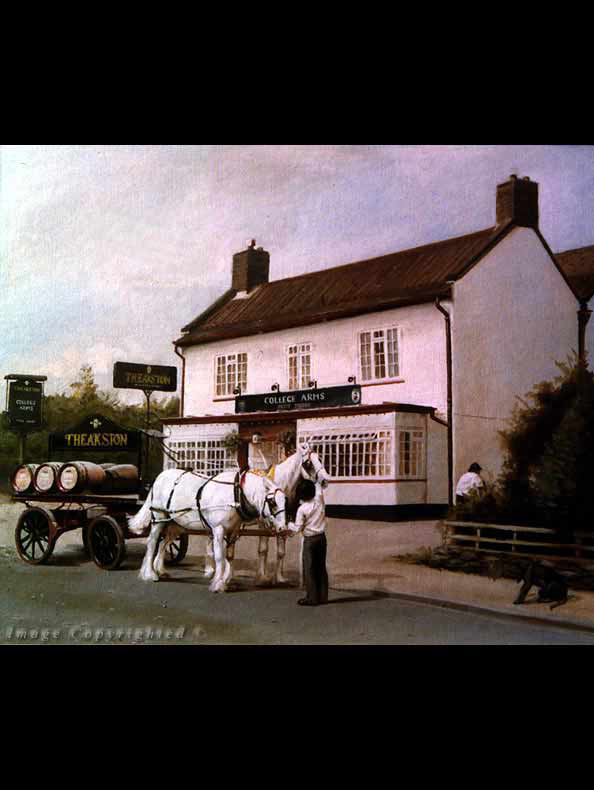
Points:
(142, 519)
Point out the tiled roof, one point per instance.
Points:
(410, 276)
(578, 266)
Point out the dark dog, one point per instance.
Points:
(552, 587)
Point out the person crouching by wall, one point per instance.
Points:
(470, 481)
(311, 520)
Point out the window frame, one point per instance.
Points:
(420, 458)
(321, 442)
(387, 378)
(187, 454)
(311, 376)
(229, 395)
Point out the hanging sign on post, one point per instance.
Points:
(130, 375)
(148, 378)
(24, 406)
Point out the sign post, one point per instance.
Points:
(148, 378)
(24, 406)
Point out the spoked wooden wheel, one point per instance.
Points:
(176, 551)
(32, 536)
(106, 543)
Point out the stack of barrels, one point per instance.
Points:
(75, 477)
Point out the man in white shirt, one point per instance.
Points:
(311, 520)
(470, 481)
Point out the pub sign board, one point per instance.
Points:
(299, 399)
(130, 375)
(25, 399)
(95, 434)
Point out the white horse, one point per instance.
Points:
(303, 463)
(180, 501)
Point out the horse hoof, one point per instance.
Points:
(149, 577)
(208, 574)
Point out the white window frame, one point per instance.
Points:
(208, 456)
(310, 376)
(415, 466)
(386, 328)
(229, 387)
(367, 453)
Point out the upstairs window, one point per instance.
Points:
(379, 354)
(299, 366)
(231, 372)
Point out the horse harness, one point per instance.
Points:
(245, 511)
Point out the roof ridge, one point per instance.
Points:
(491, 229)
(576, 249)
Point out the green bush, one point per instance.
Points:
(549, 454)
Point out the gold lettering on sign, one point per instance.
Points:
(146, 380)
(96, 439)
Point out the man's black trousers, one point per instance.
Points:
(315, 576)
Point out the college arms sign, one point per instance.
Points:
(129, 375)
(299, 399)
(25, 397)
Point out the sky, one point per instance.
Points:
(107, 251)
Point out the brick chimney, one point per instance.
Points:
(517, 200)
(250, 268)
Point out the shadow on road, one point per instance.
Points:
(372, 596)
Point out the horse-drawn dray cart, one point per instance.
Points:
(60, 497)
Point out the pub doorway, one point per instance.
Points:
(261, 444)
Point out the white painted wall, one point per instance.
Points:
(513, 316)
(334, 359)
(437, 462)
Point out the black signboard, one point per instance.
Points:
(299, 399)
(95, 434)
(25, 398)
(129, 375)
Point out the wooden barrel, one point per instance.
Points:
(45, 478)
(76, 476)
(21, 479)
(122, 478)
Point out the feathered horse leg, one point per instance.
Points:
(147, 572)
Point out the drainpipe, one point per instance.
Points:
(448, 327)
(183, 380)
(583, 318)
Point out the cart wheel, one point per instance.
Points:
(106, 542)
(176, 551)
(32, 536)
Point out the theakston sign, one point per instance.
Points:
(95, 433)
(129, 375)
(299, 399)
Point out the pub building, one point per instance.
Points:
(399, 370)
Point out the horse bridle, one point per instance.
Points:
(270, 500)
(308, 465)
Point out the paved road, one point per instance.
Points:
(70, 601)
